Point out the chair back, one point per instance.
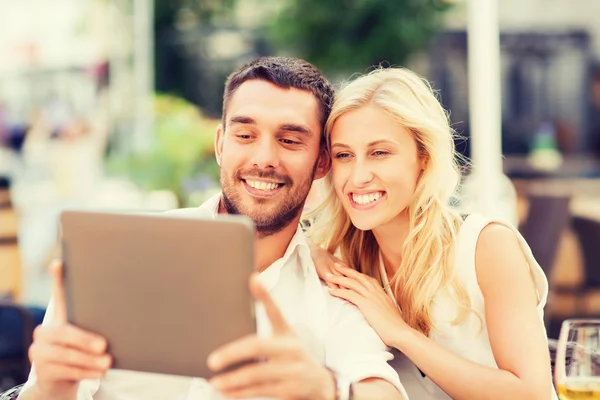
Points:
(16, 333)
(10, 258)
(588, 234)
(12, 393)
(546, 221)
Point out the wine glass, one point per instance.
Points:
(577, 366)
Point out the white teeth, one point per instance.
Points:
(366, 198)
(260, 185)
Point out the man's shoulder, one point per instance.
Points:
(208, 209)
(339, 308)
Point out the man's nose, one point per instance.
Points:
(265, 155)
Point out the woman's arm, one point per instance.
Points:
(515, 330)
(324, 262)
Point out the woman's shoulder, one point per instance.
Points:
(481, 236)
(471, 220)
(491, 248)
(486, 231)
(468, 234)
(476, 228)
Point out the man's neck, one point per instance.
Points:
(271, 248)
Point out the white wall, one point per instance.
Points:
(532, 15)
(50, 33)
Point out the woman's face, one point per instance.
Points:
(375, 166)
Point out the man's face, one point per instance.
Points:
(269, 153)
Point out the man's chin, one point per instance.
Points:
(264, 230)
(267, 225)
(270, 214)
(264, 221)
(262, 200)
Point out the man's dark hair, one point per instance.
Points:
(284, 72)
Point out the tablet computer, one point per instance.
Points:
(164, 290)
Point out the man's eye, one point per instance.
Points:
(243, 136)
(289, 142)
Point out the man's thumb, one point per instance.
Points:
(58, 292)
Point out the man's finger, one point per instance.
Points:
(67, 335)
(65, 373)
(270, 390)
(59, 302)
(70, 357)
(250, 375)
(250, 348)
(259, 292)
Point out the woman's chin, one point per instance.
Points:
(363, 225)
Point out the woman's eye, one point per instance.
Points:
(342, 155)
(380, 153)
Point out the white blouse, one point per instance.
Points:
(468, 339)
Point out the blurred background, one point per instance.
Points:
(114, 103)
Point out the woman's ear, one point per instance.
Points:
(423, 161)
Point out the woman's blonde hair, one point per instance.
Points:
(427, 253)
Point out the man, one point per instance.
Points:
(270, 149)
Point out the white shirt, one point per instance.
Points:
(334, 331)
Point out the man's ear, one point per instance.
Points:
(323, 163)
(219, 137)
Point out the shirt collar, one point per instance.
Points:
(211, 205)
(298, 244)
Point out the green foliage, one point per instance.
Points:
(165, 11)
(182, 149)
(352, 35)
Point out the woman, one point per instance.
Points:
(460, 302)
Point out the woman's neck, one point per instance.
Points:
(390, 238)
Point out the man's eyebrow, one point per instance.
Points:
(242, 120)
(296, 128)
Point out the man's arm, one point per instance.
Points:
(62, 355)
(273, 367)
(355, 351)
(376, 389)
(287, 370)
